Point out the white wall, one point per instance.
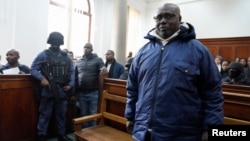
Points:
(211, 18)
(23, 26)
(23, 23)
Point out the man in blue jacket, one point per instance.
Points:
(54, 69)
(114, 68)
(174, 87)
(12, 57)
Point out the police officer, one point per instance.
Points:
(236, 75)
(54, 69)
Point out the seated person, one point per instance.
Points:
(218, 59)
(12, 57)
(243, 61)
(224, 68)
(247, 69)
(236, 75)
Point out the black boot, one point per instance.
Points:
(64, 138)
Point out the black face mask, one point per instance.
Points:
(233, 74)
(54, 48)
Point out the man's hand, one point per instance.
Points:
(21, 72)
(45, 82)
(130, 127)
(204, 136)
(66, 88)
(103, 70)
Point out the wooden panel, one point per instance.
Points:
(115, 86)
(18, 108)
(242, 89)
(236, 100)
(242, 51)
(227, 52)
(229, 48)
(213, 50)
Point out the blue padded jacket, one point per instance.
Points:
(174, 89)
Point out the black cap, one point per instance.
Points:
(237, 66)
(55, 38)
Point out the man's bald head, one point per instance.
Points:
(167, 20)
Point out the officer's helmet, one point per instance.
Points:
(55, 38)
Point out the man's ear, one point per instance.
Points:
(180, 18)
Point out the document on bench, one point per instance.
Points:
(11, 71)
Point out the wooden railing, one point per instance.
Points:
(229, 48)
(19, 110)
(236, 100)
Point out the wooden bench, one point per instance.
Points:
(236, 108)
(102, 131)
(236, 104)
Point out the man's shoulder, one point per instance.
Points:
(23, 66)
(6, 66)
(3, 67)
(119, 64)
(96, 57)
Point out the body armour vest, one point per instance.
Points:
(58, 66)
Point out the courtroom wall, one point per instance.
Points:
(23, 24)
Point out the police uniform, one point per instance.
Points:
(57, 67)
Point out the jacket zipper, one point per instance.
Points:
(155, 90)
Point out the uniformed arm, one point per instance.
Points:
(36, 66)
(72, 76)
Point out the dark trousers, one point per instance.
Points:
(148, 136)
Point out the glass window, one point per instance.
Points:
(72, 18)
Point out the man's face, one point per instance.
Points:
(12, 57)
(243, 62)
(217, 61)
(167, 21)
(248, 61)
(224, 65)
(87, 49)
(109, 56)
(233, 73)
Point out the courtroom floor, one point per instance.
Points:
(71, 136)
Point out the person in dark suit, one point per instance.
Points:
(12, 57)
(115, 69)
